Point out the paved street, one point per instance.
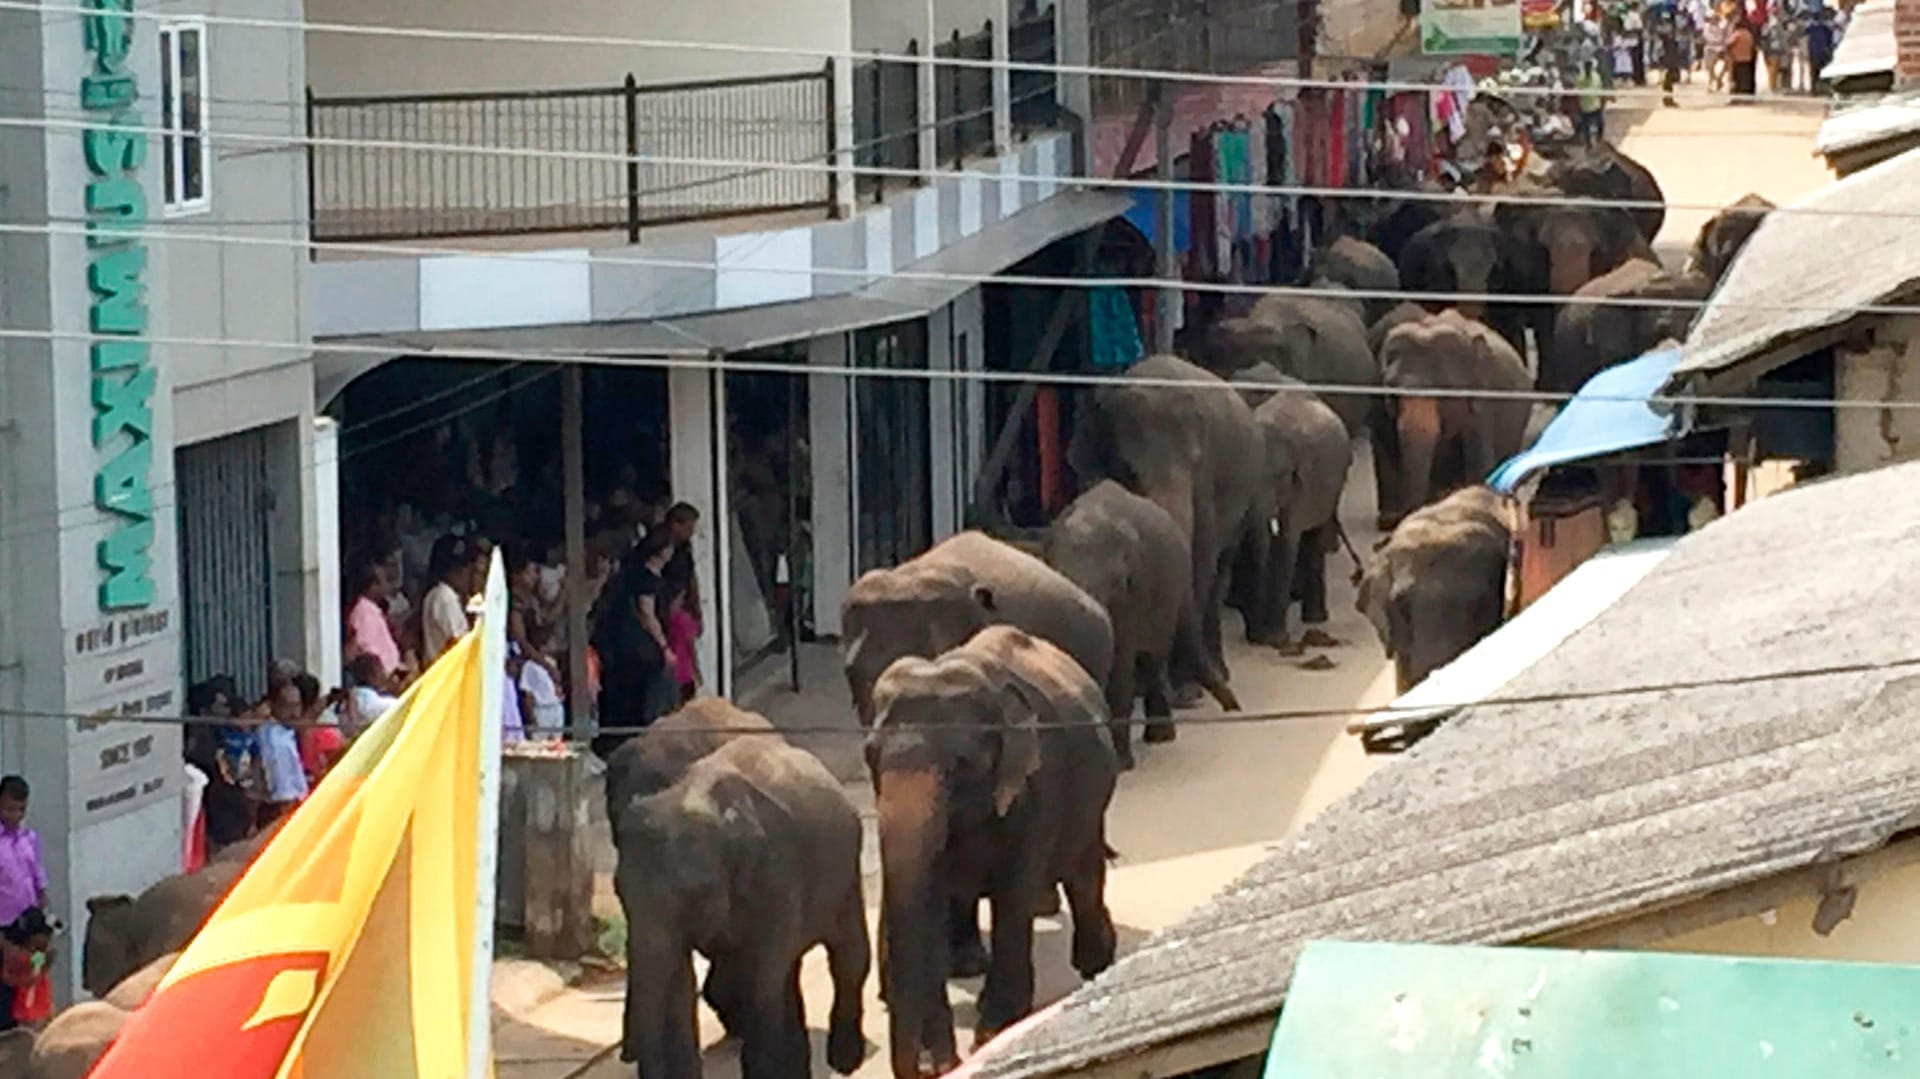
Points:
(1198, 812)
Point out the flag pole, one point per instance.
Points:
(493, 665)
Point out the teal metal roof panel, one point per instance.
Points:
(1401, 1011)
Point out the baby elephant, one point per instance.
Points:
(993, 771)
(752, 858)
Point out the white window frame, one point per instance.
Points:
(173, 155)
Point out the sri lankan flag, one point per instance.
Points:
(348, 950)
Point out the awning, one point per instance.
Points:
(1143, 214)
(888, 299)
(1610, 413)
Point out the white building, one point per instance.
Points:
(158, 517)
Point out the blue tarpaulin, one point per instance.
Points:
(1143, 210)
(1610, 413)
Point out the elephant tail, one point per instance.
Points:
(1107, 851)
(1359, 567)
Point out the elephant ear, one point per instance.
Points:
(1023, 707)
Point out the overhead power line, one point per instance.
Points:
(1631, 689)
(425, 33)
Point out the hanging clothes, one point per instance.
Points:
(1223, 207)
(1259, 161)
(1116, 333)
(1201, 204)
(1337, 140)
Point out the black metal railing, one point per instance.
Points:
(1036, 94)
(963, 97)
(568, 160)
(886, 120)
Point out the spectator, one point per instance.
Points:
(545, 705)
(681, 594)
(1714, 37)
(23, 876)
(228, 756)
(1593, 104)
(286, 777)
(368, 630)
(370, 693)
(319, 734)
(26, 951)
(1741, 52)
(443, 613)
(632, 642)
(1820, 43)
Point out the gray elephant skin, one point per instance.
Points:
(992, 775)
(1437, 585)
(1185, 447)
(1358, 265)
(125, 933)
(1447, 441)
(1721, 238)
(752, 859)
(1591, 337)
(74, 1040)
(1307, 459)
(1131, 557)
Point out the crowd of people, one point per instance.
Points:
(1729, 41)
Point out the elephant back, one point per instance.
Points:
(1027, 593)
(1317, 452)
(659, 756)
(1138, 548)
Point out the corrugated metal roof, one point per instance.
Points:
(1805, 272)
(1417, 1011)
(1585, 803)
(1863, 125)
(1867, 47)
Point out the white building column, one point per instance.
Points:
(325, 597)
(846, 186)
(1002, 81)
(929, 94)
(1073, 47)
(830, 434)
(696, 419)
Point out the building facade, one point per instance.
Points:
(157, 485)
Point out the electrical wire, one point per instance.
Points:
(423, 33)
(813, 165)
(1416, 712)
(867, 276)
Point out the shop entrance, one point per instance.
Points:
(892, 462)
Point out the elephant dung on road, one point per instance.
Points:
(1590, 337)
(752, 859)
(1437, 585)
(1446, 440)
(1131, 557)
(1185, 447)
(991, 775)
(1308, 456)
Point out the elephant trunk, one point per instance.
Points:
(1190, 653)
(911, 807)
(1417, 422)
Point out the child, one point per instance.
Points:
(26, 951)
(319, 736)
(23, 876)
(286, 777)
(546, 706)
(369, 695)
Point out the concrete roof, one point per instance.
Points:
(1516, 821)
(1805, 272)
(1867, 47)
(1859, 126)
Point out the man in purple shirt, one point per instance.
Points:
(23, 879)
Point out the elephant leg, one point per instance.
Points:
(775, 1044)
(724, 994)
(1008, 993)
(1121, 692)
(1283, 552)
(1386, 468)
(968, 952)
(1312, 575)
(1153, 679)
(1094, 938)
(848, 960)
(1210, 552)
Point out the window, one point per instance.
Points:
(183, 93)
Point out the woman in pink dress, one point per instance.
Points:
(368, 630)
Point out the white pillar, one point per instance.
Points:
(845, 185)
(1002, 81)
(929, 96)
(326, 534)
(1073, 47)
(830, 437)
(696, 410)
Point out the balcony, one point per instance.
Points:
(777, 147)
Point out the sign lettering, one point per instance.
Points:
(124, 380)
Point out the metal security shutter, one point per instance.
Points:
(226, 566)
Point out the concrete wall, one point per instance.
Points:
(358, 64)
(1866, 437)
(1881, 928)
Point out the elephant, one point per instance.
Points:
(125, 934)
(1131, 557)
(75, 1040)
(1466, 254)
(1256, 383)
(133, 991)
(1606, 173)
(16, 1051)
(1185, 447)
(1308, 455)
(1449, 441)
(1358, 265)
(1392, 223)
(1437, 585)
(1401, 314)
(943, 596)
(1722, 237)
(752, 858)
(1322, 342)
(1590, 337)
(660, 755)
(991, 774)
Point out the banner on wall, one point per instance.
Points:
(1451, 27)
